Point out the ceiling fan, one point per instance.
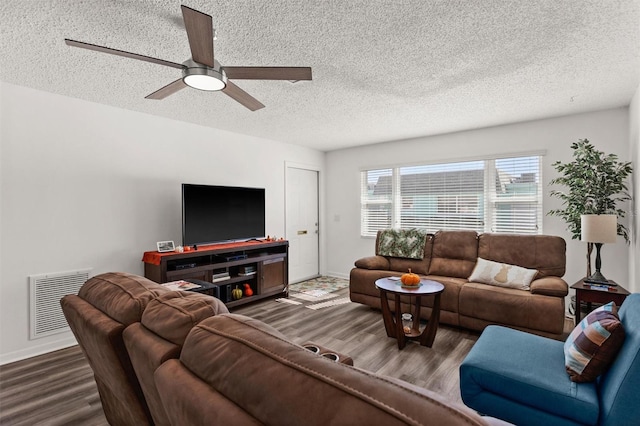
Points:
(202, 71)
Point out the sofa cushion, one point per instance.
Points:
(172, 315)
(520, 378)
(160, 335)
(546, 253)
(405, 243)
(189, 401)
(362, 281)
(508, 306)
(373, 262)
(502, 274)
(450, 298)
(454, 253)
(593, 344)
(549, 286)
(402, 266)
(120, 295)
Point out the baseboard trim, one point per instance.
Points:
(337, 275)
(37, 350)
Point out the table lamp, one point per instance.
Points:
(598, 229)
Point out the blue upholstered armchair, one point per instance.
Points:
(521, 378)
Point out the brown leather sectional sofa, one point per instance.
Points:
(450, 257)
(178, 358)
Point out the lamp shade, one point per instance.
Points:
(599, 228)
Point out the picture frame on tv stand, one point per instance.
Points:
(165, 246)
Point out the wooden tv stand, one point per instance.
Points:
(269, 260)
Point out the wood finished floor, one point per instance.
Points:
(58, 388)
(52, 389)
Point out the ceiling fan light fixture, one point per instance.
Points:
(207, 79)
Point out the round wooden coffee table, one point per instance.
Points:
(393, 323)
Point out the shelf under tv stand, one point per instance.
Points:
(270, 260)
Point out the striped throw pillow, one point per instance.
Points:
(593, 344)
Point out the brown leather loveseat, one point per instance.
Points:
(179, 358)
(450, 258)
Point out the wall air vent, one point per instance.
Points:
(45, 292)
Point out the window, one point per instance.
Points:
(494, 195)
(376, 201)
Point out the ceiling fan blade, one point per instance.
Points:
(167, 90)
(200, 33)
(117, 52)
(241, 96)
(268, 73)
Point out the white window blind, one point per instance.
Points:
(517, 201)
(442, 196)
(494, 195)
(376, 201)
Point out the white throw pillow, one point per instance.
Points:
(502, 274)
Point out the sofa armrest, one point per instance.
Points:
(373, 262)
(550, 286)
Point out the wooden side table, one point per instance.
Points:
(584, 293)
(393, 324)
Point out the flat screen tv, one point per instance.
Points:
(214, 214)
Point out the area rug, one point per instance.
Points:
(317, 293)
(317, 285)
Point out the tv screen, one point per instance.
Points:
(212, 214)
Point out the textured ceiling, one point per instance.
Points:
(382, 70)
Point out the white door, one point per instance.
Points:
(302, 223)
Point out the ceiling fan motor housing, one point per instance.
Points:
(202, 77)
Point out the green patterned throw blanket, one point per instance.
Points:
(407, 243)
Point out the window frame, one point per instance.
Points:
(488, 200)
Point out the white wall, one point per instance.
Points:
(634, 149)
(91, 186)
(607, 130)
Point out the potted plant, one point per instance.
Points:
(595, 183)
